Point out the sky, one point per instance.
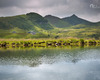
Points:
(86, 9)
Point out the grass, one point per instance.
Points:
(18, 27)
(47, 42)
(85, 33)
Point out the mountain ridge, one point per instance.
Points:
(47, 26)
(56, 21)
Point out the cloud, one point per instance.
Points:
(31, 3)
(60, 8)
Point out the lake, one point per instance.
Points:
(50, 64)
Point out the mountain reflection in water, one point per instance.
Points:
(50, 64)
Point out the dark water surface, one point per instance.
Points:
(50, 64)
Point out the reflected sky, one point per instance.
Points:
(83, 70)
(50, 64)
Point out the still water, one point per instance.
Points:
(50, 64)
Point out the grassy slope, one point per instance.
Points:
(43, 28)
(75, 20)
(57, 22)
(26, 22)
(22, 24)
(61, 32)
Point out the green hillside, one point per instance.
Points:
(57, 22)
(26, 22)
(74, 20)
(33, 25)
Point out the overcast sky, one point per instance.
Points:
(87, 9)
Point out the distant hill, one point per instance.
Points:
(26, 22)
(74, 20)
(70, 21)
(33, 25)
(57, 22)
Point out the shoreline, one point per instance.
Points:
(47, 42)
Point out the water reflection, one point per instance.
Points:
(82, 70)
(35, 57)
(50, 64)
(51, 46)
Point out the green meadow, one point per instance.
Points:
(55, 33)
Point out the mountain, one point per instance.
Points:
(74, 20)
(38, 20)
(69, 22)
(26, 22)
(33, 25)
(57, 22)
